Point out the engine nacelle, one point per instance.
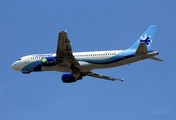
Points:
(49, 61)
(69, 78)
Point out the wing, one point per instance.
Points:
(92, 74)
(64, 53)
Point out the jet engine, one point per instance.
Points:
(49, 61)
(69, 78)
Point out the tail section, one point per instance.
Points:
(142, 49)
(144, 42)
(146, 38)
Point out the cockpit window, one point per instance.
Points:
(19, 59)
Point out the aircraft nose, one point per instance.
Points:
(14, 66)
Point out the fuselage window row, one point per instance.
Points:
(79, 55)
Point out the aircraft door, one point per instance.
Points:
(27, 60)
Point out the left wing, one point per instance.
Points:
(64, 53)
(92, 74)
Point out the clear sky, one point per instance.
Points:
(32, 26)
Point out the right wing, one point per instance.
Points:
(92, 74)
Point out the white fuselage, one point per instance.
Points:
(88, 61)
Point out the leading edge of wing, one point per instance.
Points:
(92, 74)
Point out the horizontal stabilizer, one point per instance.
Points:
(142, 49)
(155, 58)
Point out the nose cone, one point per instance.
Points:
(14, 66)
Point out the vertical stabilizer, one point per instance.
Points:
(147, 38)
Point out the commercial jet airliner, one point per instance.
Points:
(80, 64)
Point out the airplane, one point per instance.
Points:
(80, 64)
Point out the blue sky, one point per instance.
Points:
(28, 27)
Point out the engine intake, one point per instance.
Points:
(69, 78)
(49, 61)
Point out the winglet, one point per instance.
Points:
(121, 79)
(65, 30)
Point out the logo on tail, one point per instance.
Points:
(145, 39)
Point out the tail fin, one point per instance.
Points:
(147, 38)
